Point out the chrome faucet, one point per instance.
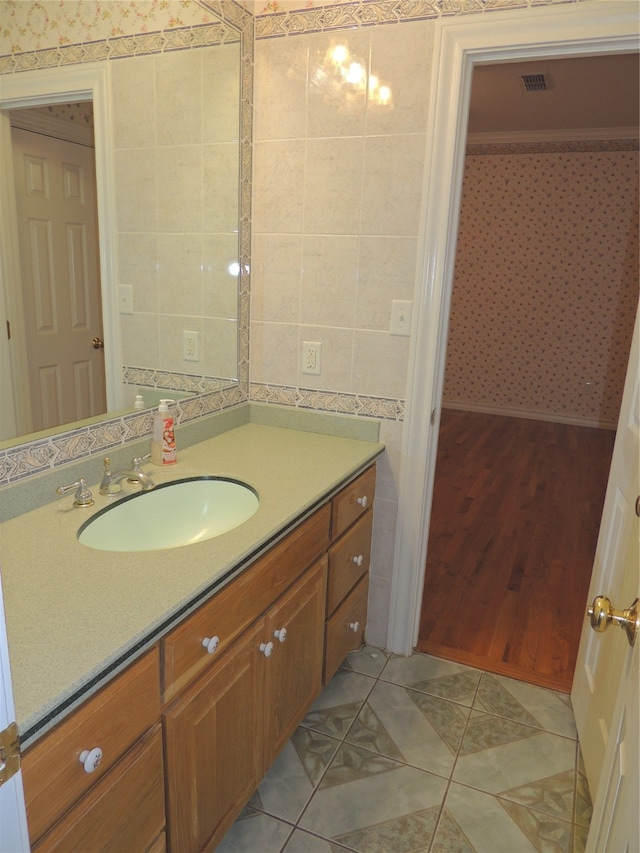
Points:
(133, 475)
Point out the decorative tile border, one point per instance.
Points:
(385, 408)
(365, 13)
(165, 380)
(144, 44)
(37, 457)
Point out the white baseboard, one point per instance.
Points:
(594, 423)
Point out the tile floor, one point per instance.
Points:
(420, 754)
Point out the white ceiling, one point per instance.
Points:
(584, 94)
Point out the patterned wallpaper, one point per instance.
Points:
(81, 114)
(546, 284)
(33, 26)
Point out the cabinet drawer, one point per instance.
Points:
(123, 813)
(341, 634)
(352, 502)
(349, 559)
(240, 603)
(112, 720)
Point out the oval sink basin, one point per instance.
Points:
(171, 515)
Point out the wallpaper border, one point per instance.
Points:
(367, 13)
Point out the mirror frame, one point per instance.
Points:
(19, 75)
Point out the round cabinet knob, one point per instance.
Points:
(211, 644)
(90, 759)
(354, 626)
(362, 501)
(280, 634)
(266, 649)
(359, 560)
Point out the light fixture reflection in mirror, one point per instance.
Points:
(168, 297)
(341, 75)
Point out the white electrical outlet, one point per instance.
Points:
(401, 317)
(125, 298)
(311, 354)
(190, 346)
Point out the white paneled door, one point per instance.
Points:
(606, 684)
(58, 235)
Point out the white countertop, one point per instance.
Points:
(75, 614)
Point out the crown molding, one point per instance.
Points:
(578, 134)
(51, 126)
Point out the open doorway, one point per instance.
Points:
(544, 298)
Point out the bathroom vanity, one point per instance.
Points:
(162, 742)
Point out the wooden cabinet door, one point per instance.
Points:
(123, 813)
(293, 671)
(213, 747)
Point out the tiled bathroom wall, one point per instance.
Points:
(546, 282)
(175, 129)
(336, 212)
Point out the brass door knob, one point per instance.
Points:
(602, 614)
(97, 343)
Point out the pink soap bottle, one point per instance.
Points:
(163, 441)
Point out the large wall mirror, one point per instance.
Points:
(131, 280)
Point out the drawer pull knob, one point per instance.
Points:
(359, 560)
(362, 501)
(211, 644)
(354, 626)
(90, 759)
(266, 649)
(280, 634)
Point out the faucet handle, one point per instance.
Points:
(136, 467)
(83, 496)
(137, 461)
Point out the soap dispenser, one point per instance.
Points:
(163, 440)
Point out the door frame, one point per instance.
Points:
(582, 29)
(14, 835)
(85, 82)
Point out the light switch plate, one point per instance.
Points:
(401, 317)
(125, 298)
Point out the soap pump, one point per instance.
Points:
(163, 440)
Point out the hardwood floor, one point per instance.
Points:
(514, 524)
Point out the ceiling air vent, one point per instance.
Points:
(534, 82)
